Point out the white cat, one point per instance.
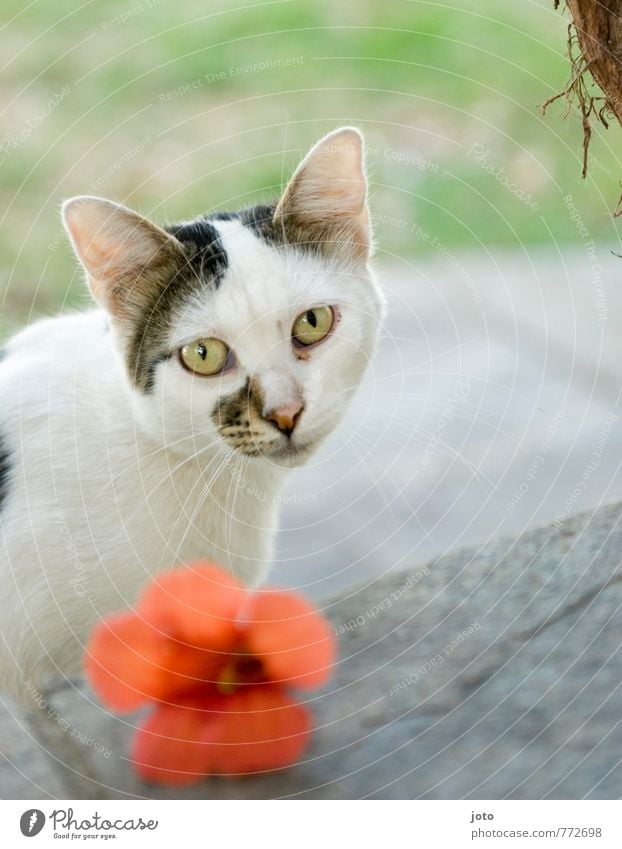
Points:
(137, 436)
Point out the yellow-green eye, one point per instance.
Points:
(206, 356)
(313, 325)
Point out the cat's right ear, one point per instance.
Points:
(126, 256)
(325, 203)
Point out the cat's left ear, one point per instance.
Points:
(325, 203)
(127, 258)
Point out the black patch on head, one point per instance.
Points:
(288, 230)
(260, 219)
(149, 380)
(5, 471)
(204, 265)
(204, 248)
(316, 238)
(201, 265)
(223, 216)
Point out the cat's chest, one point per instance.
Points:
(168, 510)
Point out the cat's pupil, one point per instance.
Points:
(202, 351)
(312, 318)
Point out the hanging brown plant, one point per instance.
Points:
(594, 47)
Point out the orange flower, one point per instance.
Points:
(218, 662)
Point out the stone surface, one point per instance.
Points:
(489, 673)
(26, 770)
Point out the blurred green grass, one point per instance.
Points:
(177, 109)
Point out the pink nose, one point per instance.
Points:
(285, 418)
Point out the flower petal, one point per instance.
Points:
(253, 730)
(167, 749)
(259, 728)
(293, 640)
(129, 662)
(122, 661)
(199, 604)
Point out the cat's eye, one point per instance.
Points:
(207, 356)
(313, 325)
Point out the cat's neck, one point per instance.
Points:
(226, 507)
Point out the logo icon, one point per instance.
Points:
(31, 822)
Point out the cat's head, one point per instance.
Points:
(247, 330)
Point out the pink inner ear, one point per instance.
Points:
(93, 244)
(109, 241)
(99, 257)
(118, 249)
(330, 181)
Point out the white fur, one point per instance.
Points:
(110, 485)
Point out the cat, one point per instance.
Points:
(137, 435)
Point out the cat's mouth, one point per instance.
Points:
(295, 452)
(287, 451)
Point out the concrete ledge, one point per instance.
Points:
(491, 673)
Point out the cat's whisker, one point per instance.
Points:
(239, 460)
(406, 423)
(401, 418)
(466, 412)
(169, 473)
(201, 500)
(439, 355)
(440, 446)
(242, 474)
(375, 480)
(226, 461)
(150, 455)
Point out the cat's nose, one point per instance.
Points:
(285, 418)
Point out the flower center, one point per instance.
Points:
(240, 669)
